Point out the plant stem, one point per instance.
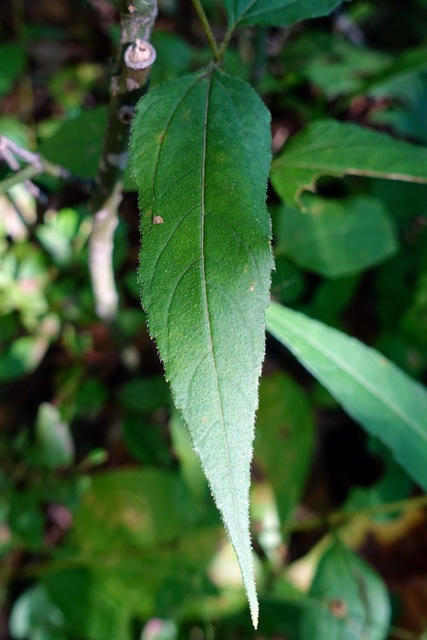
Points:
(340, 517)
(224, 45)
(129, 82)
(37, 165)
(207, 29)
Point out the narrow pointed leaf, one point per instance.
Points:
(335, 148)
(200, 156)
(277, 13)
(376, 393)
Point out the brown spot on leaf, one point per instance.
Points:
(252, 287)
(157, 220)
(338, 608)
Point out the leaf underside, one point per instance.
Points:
(377, 394)
(331, 148)
(277, 13)
(200, 154)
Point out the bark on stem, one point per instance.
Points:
(129, 82)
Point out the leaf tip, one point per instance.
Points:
(254, 606)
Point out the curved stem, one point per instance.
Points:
(341, 517)
(207, 29)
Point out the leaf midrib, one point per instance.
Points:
(208, 321)
(360, 379)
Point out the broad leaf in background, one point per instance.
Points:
(200, 156)
(285, 439)
(348, 600)
(135, 508)
(77, 145)
(335, 148)
(277, 13)
(377, 394)
(336, 238)
(12, 64)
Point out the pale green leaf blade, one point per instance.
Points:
(378, 395)
(200, 155)
(348, 600)
(336, 238)
(336, 149)
(277, 13)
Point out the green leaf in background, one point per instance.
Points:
(336, 238)
(348, 600)
(35, 617)
(337, 66)
(189, 463)
(12, 63)
(77, 144)
(54, 446)
(200, 157)
(145, 394)
(285, 439)
(277, 13)
(287, 282)
(391, 80)
(377, 394)
(335, 148)
(145, 441)
(22, 357)
(135, 508)
(174, 56)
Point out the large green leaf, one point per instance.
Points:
(376, 393)
(200, 157)
(348, 600)
(336, 237)
(335, 148)
(277, 13)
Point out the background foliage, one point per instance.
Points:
(107, 528)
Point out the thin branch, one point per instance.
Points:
(36, 165)
(207, 29)
(338, 518)
(129, 82)
(224, 45)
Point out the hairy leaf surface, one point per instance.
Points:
(376, 393)
(335, 148)
(200, 157)
(277, 13)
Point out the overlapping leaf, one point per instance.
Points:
(335, 148)
(200, 156)
(376, 393)
(277, 13)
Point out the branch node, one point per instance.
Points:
(140, 55)
(126, 113)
